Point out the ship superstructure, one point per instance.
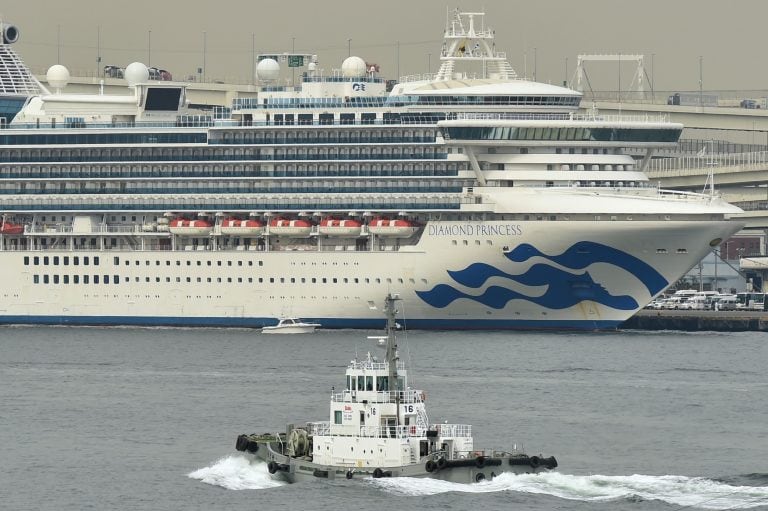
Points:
(485, 200)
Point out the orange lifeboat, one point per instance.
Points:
(238, 227)
(290, 228)
(398, 228)
(187, 227)
(11, 228)
(348, 228)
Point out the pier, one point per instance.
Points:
(694, 321)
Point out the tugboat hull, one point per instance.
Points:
(482, 467)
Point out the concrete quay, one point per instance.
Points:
(694, 321)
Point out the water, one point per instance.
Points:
(128, 418)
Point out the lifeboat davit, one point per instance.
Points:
(398, 228)
(238, 227)
(187, 227)
(290, 228)
(11, 228)
(348, 228)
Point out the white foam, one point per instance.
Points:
(236, 473)
(677, 490)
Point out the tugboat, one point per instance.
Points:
(378, 427)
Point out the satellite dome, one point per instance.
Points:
(268, 69)
(57, 76)
(136, 73)
(353, 67)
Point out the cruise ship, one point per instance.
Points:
(486, 201)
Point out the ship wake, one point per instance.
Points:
(236, 473)
(695, 492)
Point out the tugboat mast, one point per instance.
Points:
(392, 356)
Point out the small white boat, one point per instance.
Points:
(290, 326)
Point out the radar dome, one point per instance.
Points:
(268, 69)
(136, 73)
(353, 67)
(57, 76)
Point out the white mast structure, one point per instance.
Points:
(464, 41)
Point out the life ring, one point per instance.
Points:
(378, 473)
(480, 462)
(349, 474)
(441, 463)
(430, 466)
(534, 461)
(479, 477)
(272, 467)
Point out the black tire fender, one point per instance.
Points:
(480, 462)
(377, 473)
(430, 466)
(349, 474)
(441, 463)
(534, 461)
(272, 467)
(479, 477)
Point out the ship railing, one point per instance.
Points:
(375, 366)
(571, 116)
(402, 431)
(322, 428)
(453, 430)
(405, 397)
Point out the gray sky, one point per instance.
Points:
(728, 35)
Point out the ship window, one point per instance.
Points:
(36, 260)
(337, 417)
(86, 279)
(86, 261)
(360, 382)
(55, 279)
(369, 383)
(167, 279)
(95, 260)
(95, 279)
(76, 279)
(45, 279)
(106, 279)
(26, 260)
(45, 260)
(66, 279)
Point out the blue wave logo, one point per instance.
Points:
(564, 289)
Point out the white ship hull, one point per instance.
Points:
(460, 276)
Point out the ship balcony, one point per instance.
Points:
(372, 396)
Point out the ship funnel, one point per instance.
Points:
(10, 34)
